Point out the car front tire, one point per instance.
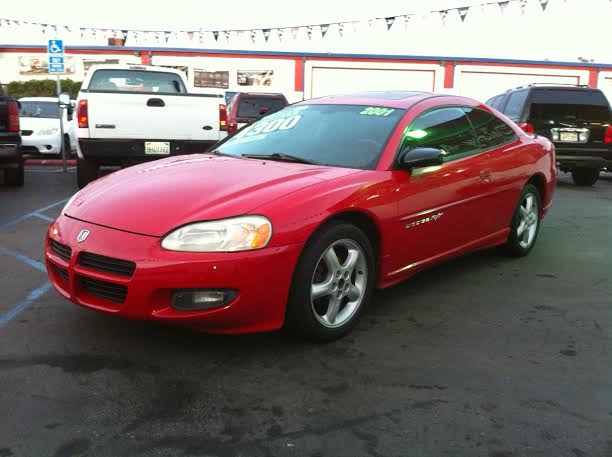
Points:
(525, 224)
(87, 171)
(332, 284)
(585, 176)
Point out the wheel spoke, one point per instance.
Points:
(354, 293)
(332, 310)
(528, 203)
(521, 228)
(331, 259)
(523, 212)
(321, 289)
(351, 259)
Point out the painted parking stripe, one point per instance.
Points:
(33, 263)
(23, 304)
(43, 217)
(32, 214)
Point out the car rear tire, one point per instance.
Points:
(332, 284)
(525, 224)
(87, 171)
(15, 176)
(585, 176)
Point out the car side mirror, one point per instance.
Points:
(420, 157)
(64, 99)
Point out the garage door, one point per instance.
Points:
(605, 84)
(484, 85)
(340, 80)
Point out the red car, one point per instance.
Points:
(297, 219)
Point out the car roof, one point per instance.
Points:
(262, 94)
(38, 99)
(389, 98)
(553, 86)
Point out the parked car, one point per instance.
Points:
(246, 107)
(296, 219)
(40, 127)
(577, 119)
(11, 160)
(129, 114)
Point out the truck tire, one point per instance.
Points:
(87, 171)
(585, 176)
(14, 176)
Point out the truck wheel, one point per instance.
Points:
(332, 283)
(585, 176)
(87, 171)
(14, 176)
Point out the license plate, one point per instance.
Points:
(568, 136)
(157, 147)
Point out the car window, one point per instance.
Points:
(494, 102)
(350, 136)
(47, 110)
(256, 106)
(514, 106)
(560, 105)
(490, 131)
(136, 81)
(446, 128)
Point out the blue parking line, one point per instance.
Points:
(33, 263)
(23, 304)
(32, 214)
(43, 217)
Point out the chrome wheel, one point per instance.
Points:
(529, 217)
(339, 283)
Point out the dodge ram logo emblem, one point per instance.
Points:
(82, 236)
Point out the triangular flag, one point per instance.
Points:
(324, 29)
(266, 34)
(340, 29)
(294, 32)
(503, 6)
(463, 12)
(309, 32)
(543, 4)
(389, 21)
(216, 35)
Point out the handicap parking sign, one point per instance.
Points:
(55, 50)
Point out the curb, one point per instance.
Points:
(50, 162)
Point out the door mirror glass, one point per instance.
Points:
(421, 157)
(64, 99)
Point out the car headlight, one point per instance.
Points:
(242, 233)
(50, 131)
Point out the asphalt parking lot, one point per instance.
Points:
(484, 356)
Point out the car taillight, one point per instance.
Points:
(526, 126)
(82, 114)
(13, 116)
(223, 118)
(232, 127)
(608, 135)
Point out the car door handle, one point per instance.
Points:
(485, 175)
(155, 102)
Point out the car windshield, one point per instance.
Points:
(351, 136)
(256, 106)
(47, 110)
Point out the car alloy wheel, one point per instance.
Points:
(338, 283)
(529, 218)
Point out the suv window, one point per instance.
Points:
(447, 129)
(490, 131)
(572, 105)
(495, 102)
(252, 106)
(136, 81)
(515, 104)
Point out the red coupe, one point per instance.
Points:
(297, 218)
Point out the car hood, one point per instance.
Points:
(156, 197)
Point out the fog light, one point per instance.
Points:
(49, 147)
(583, 136)
(201, 299)
(555, 136)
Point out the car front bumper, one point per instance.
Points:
(44, 144)
(261, 278)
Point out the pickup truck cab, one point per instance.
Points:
(128, 114)
(11, 160)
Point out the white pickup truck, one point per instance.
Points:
(128, 114)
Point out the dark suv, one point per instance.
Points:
(246, 107)
(11, 159)
(577, 119)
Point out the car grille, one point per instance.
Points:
(61, 250)
(107, 264)
(106, 290)
(61, 273)
(26, 132)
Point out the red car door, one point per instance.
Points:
(440, 208)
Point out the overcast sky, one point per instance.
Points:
(225, 14)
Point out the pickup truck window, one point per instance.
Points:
(136, 81)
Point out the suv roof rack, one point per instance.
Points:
(550, 84)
